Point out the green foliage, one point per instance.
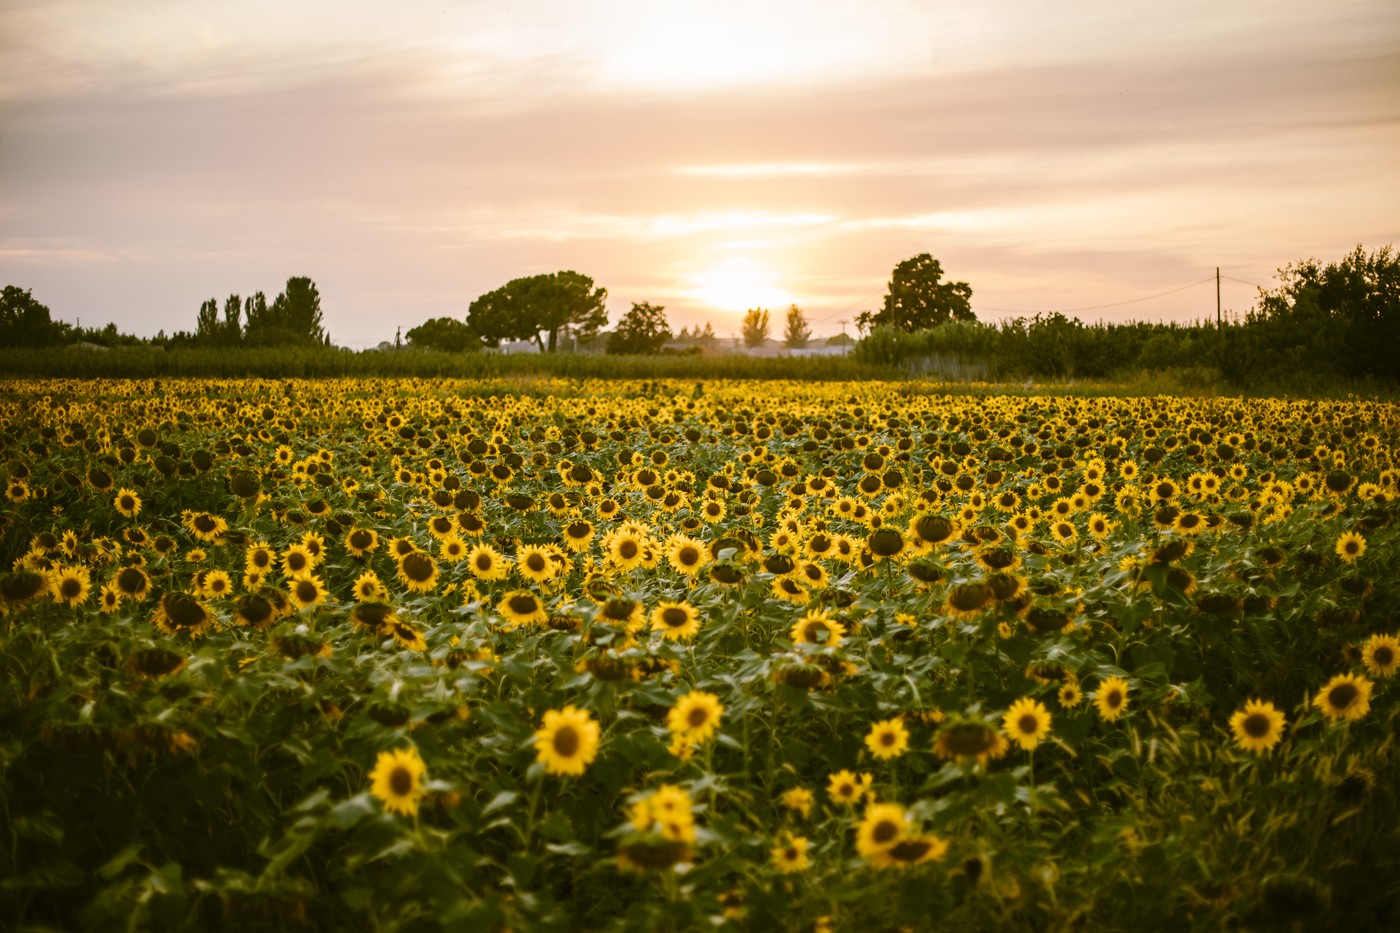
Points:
(443, 333)
(530, 308)
(754, 330)
(919, 299)
(797, 333)
(155, 779)
(25, 322)
(642, 330)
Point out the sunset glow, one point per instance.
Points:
(708, 157)
(739, 285)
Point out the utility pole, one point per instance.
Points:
(1218, 325)
(397, 343)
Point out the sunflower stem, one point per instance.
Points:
(530, 814)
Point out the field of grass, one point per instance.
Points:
(573, 654)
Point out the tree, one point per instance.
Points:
(755, 327)
(797, 334)
(528, 308)
(918, 299)
(1343, 317)
(206, 329)
(231, 333)
(25, 322)
(444, 333)
(642, 330)
(293, 319)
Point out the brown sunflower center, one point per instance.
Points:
(1342, 696)
(1028, 724)
(885, 831)
(674, 617)
(401, 781)
(523, 604)
(697, 717)
(910, 850)
(1256, 725)
(418, 567)
(566, 741)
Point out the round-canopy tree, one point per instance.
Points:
(919, 299)
(529, 308)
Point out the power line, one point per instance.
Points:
(1112, 304)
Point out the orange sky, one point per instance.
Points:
(703, 156)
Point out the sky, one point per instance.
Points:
(1101, 159)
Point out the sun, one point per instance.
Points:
(738, 285)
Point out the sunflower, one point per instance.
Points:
(1350, 546)
(969, 740)
(1026, 722)
(626, 549)
(452, 550)
(888, 738)
(1111, 698)
(70, 585)
(406, 635)
(205, 527)
(259, 558)
(883, 825)
(180, 612)
(1070, 695)
(306, 592)
(255, 609)
(885, 543)
(127, 502)
(486, 563)
(799, 800)
(1381, 654)
(686, 554)
(817, 628)
(16, 490)
(847, 788)
(133, 582)
(968, 598)
(790, 590)
(1346, 696)
(315, 545)
(361, 542)
(578, 534)
(214, 584)
(1258, 727)
(368, 588)
(695, 717)
(910, 850)
(418, 571)
(377, 617)
(567, 742)
(297, 561)
(397, 780)
(533, 564)
(676, 621)
(790, 855)
(110, 599)
(521, 607)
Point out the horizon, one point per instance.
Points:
(1087, 159)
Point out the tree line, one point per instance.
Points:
(1324, 321)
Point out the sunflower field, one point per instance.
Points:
(435, 654)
